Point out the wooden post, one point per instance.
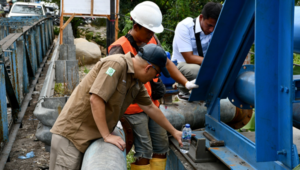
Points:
(92, 7)
(69, 20)
(117, 21)
(61, 22)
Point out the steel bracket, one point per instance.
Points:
(198, 152)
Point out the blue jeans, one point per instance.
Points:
(149, 137)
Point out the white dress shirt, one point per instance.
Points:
(185, 41)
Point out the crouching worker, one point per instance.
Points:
(99, 101)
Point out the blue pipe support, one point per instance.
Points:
(297, 30)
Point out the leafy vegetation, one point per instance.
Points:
(130, 159)
(89, 36)
(60, 89)
(56, 30)
(86, 70)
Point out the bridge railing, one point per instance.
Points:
(25, 43)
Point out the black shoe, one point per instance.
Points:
(184, 96)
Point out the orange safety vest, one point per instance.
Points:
(126, 46)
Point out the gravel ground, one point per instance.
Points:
(26, 141)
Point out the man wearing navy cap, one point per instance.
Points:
(99, 101)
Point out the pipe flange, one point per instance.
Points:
(232, 95)
(241, 118)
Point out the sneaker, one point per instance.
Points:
(184, 96)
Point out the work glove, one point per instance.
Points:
(191, 85)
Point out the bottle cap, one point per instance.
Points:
(187, 125)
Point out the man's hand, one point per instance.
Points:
(178, 135)
(191, 85)
(116, 140)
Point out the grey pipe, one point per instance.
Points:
(105, 156)
(194, 113)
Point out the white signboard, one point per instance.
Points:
(77, 6)
(100, 7)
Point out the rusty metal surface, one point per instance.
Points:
(241, 118)
(213, 142)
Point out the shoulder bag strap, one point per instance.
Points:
(198, 42)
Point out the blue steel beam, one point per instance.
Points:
(25, 71)
(3, 107)
(274, 70)
(31, 52)
(38, 41)
(43, 39)
(274, 46)
(297, 30)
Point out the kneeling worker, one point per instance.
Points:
(191, 40)
(99, 101)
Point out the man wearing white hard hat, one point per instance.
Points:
(150, 140)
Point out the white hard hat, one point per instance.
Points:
(148, 15)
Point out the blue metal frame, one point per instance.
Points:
(274, 24)
(3, 107)
(274, 71)
(22, 61)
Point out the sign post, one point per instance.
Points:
(91, 8)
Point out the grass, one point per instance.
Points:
(89, 36)
(86, 70)
(56, 30)
(60, 90)
(296, 69)
(130, 159)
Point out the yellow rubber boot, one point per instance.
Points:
(158, 163)
(140, 167)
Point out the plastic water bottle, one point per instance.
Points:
(186, 139)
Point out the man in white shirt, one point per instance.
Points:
(186, 52)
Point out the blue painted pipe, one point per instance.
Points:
(244, 90)
(244, 87)
(297, 30)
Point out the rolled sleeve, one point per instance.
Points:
(107, 80)
(143, 97)
(182, 38)
(116, 50)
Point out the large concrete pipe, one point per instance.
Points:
(183, 112)
(105, 156)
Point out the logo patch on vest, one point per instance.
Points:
(110, 71)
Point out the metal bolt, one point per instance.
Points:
(281, 88)
(232, 100)
(245, 67)
(283, 152)
(287, 90)
(241, 106)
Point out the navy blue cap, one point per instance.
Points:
(156, 55)
(187, 125)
